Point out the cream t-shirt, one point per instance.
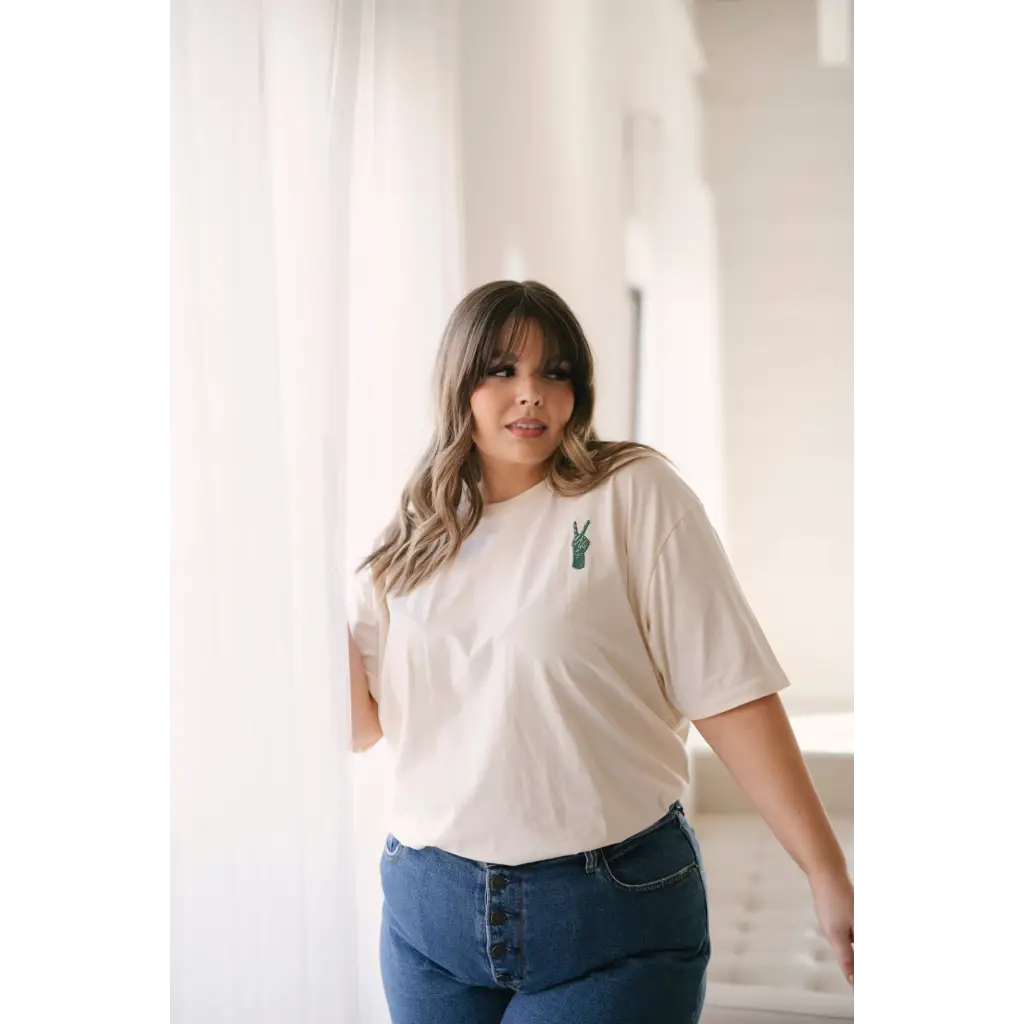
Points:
(537, 692)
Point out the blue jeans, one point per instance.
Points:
(617, 935)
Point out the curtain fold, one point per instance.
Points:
(262, 851)
(316, 252)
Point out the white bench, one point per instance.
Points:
(769, 962)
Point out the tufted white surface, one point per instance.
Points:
(769, 960)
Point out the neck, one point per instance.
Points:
(508, 480)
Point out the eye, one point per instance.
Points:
(502, 371)
(559, 373)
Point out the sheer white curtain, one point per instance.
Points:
(263, 901)
(315, 254)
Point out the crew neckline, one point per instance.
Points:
(501, 507)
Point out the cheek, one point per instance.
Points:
(484, 407)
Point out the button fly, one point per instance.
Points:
(499, 917)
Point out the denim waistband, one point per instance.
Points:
(675, 811)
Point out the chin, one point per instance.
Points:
(516, 454)
(518, 459)
(530, 458)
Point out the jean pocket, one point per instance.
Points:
(654, 859)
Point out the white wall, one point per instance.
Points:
(542, 168)
(672, 221)
(548, 193)
(779, 151)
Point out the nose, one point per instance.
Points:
(529, 394)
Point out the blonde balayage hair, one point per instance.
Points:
(441, 504)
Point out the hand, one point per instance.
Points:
(580, 543)
(833, 900)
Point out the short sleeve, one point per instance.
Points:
(703, 636)
(367, 620)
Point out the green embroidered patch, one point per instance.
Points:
(580, 543)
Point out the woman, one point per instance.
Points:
(534, 632)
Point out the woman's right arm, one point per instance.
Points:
(365, 720)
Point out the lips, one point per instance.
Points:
(527, 428)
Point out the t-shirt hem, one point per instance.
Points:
(545, 849)
(751, 691)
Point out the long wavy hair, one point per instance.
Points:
(441, 504)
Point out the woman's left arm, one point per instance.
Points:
(757, 745)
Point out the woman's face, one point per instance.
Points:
(521, 408)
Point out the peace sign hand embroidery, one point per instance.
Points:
(580, 543)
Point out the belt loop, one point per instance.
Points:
(591, 861)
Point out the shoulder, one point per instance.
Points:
(360, 590)
(363, 590)
(651, 483)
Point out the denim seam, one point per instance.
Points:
(687, 831)
(522, 930)
(679, 815)
(660, 883)
(487, 925)
(629, 842)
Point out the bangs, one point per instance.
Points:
(490, 329)
(507, 333)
